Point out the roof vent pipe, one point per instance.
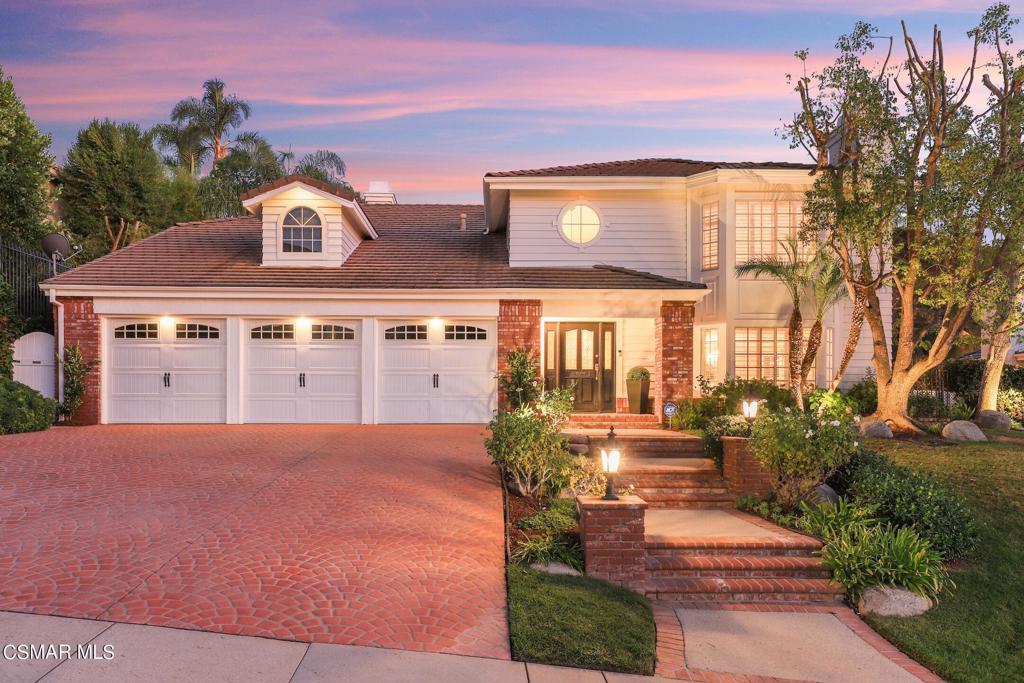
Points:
(462, 221)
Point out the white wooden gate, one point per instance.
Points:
(34, 362)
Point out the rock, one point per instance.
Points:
(875, 429)
(579, 449)
(891, 601)
(578, 438)
(962, 430)
(993, 419)
(555, 568)
(823, 493)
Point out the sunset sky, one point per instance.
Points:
(430, 95)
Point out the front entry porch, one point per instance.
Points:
(581, 356)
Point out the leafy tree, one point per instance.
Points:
(323, 165)
(185, 143)
(213, 116)
(25, 167)
(817, 279)
(11, 326)
(113, 186)
(910, 183)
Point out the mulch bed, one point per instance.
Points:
(519, 507)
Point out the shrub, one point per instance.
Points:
(531, 456)
(926, 404)
(521, 380)
(550, 548)
(560, 516)
(717, 427)
(864, 556)
(828, 521)
(731, 393)
(910, 499)
(23, 409)
(801, 450)
(865, 394)
(697, 413)
(638, 374)
(768, 509)
(1011, 402)
(823, 401)
(76, 368)
(11, 325)
(583, 477)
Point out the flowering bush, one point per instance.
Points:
(801, 450)
(717, 427)
(521, 381)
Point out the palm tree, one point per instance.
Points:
(185, 143)
(213, 115)
(323, 165)
(818, 278)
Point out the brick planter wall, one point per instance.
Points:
(612, 533)
(82, 327)
(673, 354)
(518, 328)
(744, 472)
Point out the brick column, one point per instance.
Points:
(612, 533)
(673, 354)
(518, 328)
(744, 472)
(82, 327)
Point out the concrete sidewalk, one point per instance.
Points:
(155, 654)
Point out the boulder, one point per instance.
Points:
(993, 419)
(823, 493)
(559, 568)
(577, 438)
(891, 601)
(579, 449)
(875, 429)
(963, 430)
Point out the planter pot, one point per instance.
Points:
(636, 390)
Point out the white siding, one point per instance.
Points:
(861, 364)
(643, 230)
(339, 238)
(637, 348)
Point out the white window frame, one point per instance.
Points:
(742, 233)
(313, 255)
(709, 236)
(569, 207)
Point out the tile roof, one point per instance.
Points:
(419, 247)
(337, 190)
(661, 168)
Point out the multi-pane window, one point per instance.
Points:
(580, 224)
(763, 353)
(323, 332)
(406, 332)
(137, 331)
(709, 236)
(709, 355)
(195, 331)
(760, 225)
(274, 331)
(302, 231)
(457, 332)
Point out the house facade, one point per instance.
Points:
(321, 306)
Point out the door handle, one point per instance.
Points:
(436, 378)
(167, 379)
(302, 379)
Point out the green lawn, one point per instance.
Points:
(977, 633)
(579, 621)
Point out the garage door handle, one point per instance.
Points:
(436, 380)
(167, 379)
(302, 379)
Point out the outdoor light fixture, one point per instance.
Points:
(750, 409)
(610, 456)
(303, 323)
(167, 320)
(436, 324)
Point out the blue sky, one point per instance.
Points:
(430, 95)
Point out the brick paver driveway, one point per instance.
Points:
(370, 535)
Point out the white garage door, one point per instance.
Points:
(168, 370)
(437, 372)
(305, 372)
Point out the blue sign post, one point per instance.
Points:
(670, 409)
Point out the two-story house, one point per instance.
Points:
(321, 306)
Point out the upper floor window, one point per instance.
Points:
(760, 225)
(579, 224)
(302, 231)
(709, 236)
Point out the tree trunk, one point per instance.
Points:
(856, 325)
(796, 339)
(813, 344)
(892, 405)
(1002, 340)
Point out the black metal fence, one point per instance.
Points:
(24, 270)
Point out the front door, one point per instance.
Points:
(586, 363)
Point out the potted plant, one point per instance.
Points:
(638, 383)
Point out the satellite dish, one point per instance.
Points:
(56, 244)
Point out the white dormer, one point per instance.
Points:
(307, 222)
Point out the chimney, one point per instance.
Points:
(462, 222)
(379, 192)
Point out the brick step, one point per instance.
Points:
(761, 590)
(693, 488)
(687, 496)
(654, 466)
(619, 420)
(662, 546)
(736, 567)
(696, 503)
(672, 480)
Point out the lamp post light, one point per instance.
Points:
(750, 409)
(611, 454)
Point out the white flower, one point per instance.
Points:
(788, 410)
(809, 434)
(834, 423)
(856, 444)
(856, 419)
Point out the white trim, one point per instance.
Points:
(731, 175)
(601, 224)
(367, 226)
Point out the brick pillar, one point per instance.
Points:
(673, 354)
(82, 327)
(744, 472)
(518, 328)
(612, 533)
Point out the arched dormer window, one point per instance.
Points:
(302, 231)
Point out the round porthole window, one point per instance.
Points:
(580, 224)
